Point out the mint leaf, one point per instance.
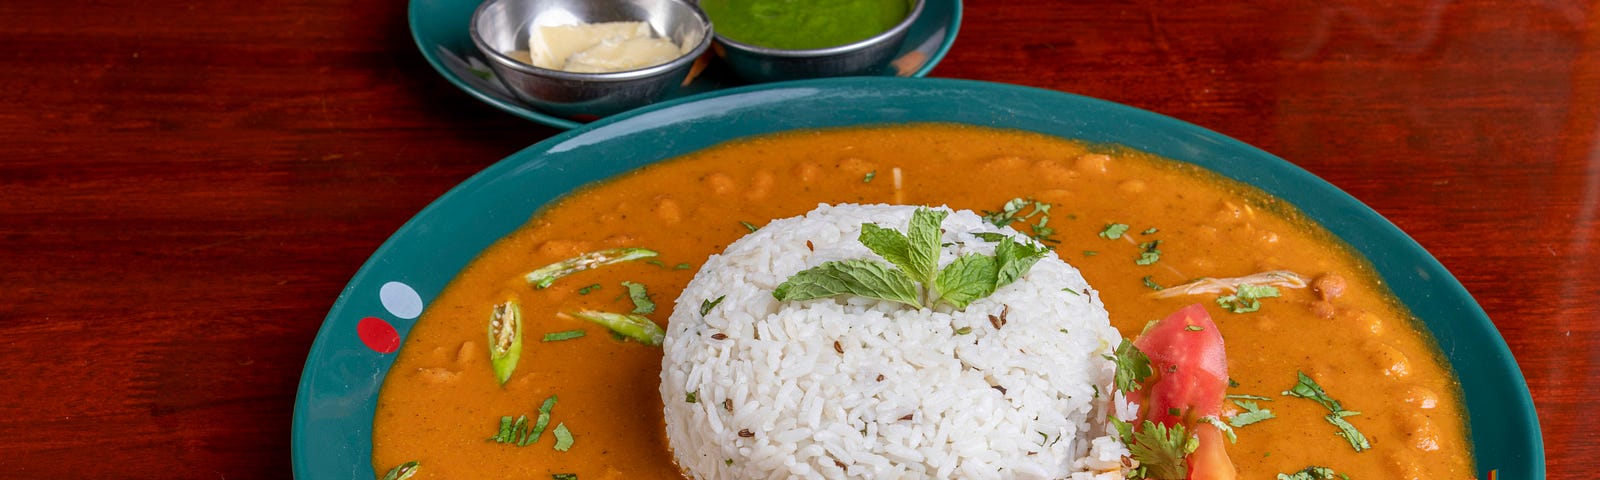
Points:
(1014, 260)
(862, 278)
(967, 279)
(924, 235)
(887, 243)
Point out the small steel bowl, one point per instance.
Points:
(502, 26)
(761, 64)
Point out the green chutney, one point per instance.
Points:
(803, 24)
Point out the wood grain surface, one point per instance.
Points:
(186, 186)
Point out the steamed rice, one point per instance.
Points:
(855, 387)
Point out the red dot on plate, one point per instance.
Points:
(378, 335)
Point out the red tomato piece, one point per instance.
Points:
(1189, 380)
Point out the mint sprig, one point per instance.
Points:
(915, 275)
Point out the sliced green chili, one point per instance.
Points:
(632, 326)
(505, 339)
(548, 274)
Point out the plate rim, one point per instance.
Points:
(1519, 394)
(413, 14)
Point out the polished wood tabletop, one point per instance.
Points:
(185, 187)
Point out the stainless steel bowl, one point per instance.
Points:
(762, 64)
(502, 26)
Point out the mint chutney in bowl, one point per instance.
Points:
(771, 40)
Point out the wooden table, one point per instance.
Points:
(186, 186)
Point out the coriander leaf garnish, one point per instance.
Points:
(1161, 450)
(862, 278)
(517, 432)
(1312, 473)
(539, 425)
(548, 274)
(1090, 253)
(626, 325)
(707, 305)
(1247, 298)
(563, 437)
(1253, 413)
(1132, 366)
(586, 290)
(1149, 231)
(692, 397)
(641, 298)
(1114, 231)
(1226, 430)
(1245, 396)
(682, 266)
(402, 472)
(1150, 283)
(1011, 213)
(749, 226)
(563, 476)
(869, 176)
(1148, 253)
(564, 335)
(1309, 389)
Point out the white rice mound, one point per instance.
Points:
(908, 397)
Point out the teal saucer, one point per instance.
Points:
(440, 29)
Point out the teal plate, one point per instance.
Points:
(352, 353)
(440, 29)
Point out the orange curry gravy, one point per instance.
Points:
(441, 402)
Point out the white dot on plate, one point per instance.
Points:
(400, 300)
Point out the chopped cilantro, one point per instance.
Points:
(1253, 413)
(1090, 253)
(707, 305)
(564, 335)
(1194, 328)
(1132, 366)
(868, 178)
(1114, 231)
(1149, 231)
(963, 330)
(641, 298)
(1151, 283)
(682, 266)
(1148, 253)
(692, 397)
(1312, 473)
(1070, 290)
(1247, 298)
(563, 476)
(586, 290)
(1309, 389)
(1161, 450)
(749, 226)
(1012, 212)
(563, 437)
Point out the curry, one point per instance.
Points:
(1138, 227)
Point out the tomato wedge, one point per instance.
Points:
(1189, 380)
